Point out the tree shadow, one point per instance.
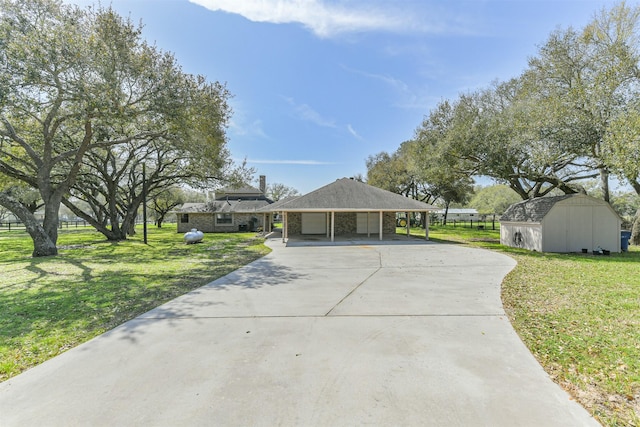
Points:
(67, 299)
(259, 274)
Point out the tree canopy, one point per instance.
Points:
(571, 116)
(494, 199)
(84, 101)
(278, 191)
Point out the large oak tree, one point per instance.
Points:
(80, 86)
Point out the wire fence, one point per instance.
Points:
(485, 224)
(63, 225)
(17, 225)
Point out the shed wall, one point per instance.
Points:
(521, 235)
(581, 223)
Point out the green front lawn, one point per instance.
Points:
(55, 303)
(579, 314)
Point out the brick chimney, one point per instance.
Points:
(263, 184)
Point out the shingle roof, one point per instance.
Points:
(532, 210)
(349, 195)
(276, 205)
(240, 190)
(223, 206)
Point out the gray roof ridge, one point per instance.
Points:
(347, 194)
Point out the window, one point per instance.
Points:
(184, 218)
(225, 218)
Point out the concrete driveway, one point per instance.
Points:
(396, 334)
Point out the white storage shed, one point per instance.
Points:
(570, 223)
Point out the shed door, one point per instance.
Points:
(314, 223)
(606, 229)
(580, 220)
(373, 225)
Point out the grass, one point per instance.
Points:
(578, 314)
(52, 304)
(580, 317)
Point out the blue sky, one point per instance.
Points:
(320, 85)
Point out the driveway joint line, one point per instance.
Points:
(321, 316)
(353, 290)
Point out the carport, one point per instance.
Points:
(346, 207)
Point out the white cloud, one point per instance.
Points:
(241, 124)
(253, 129)
(389, 80)
(407, 97)
(307, 113)
(353, 132)
(322, 17)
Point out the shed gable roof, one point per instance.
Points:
(349, 195)
(533, 210)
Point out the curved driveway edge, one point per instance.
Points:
(402, 333)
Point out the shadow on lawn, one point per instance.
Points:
(88, 290)
(201, 303)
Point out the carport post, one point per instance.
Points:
(284, 226)
(333, 225)
(426, 225)
(408, 224)
(380, 228)
(327, 224)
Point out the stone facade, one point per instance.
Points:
(345, 223)
(294, 223)
(389, 223)
(206, 222)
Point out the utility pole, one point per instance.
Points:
(144, 202)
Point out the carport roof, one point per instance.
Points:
(349, 195)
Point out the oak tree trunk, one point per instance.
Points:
(43, 243)
(635, 230)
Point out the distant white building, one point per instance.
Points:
(455, 214)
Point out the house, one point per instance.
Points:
(569, 223)
(345, 207)
(455, 214)
(232, 209)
